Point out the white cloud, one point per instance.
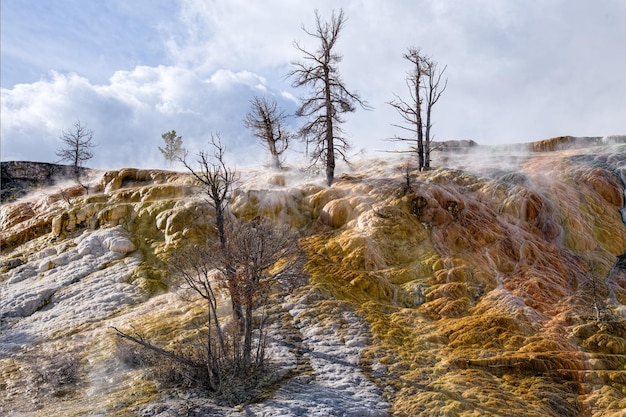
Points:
(237, 34)
(128, 114)
(517, 71)
(164, 89)
(289, 96)
(223, 79)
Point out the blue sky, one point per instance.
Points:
(517, 71)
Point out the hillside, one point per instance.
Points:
(492, 285)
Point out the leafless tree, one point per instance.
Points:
(76, 146)
(266, 121)
(246, 262)
(411, 111)
(425, 89)
(595, 290)
(194, 265)
(433, 92)
(408, 186)
(329, 98)
(258, 260)
(219, 180)
(254, 249)
(173, 150)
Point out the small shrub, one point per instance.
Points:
(190, 370)
(65, 371)
(57, 375)
(61, 370)
(164, 370)
(132, 355)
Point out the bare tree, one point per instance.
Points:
(433, 93)
(246, 262)
(253, 251)
(192, 263)
(411, 111)
(329, 98)
(174, 150)
(423, 82)
(218, 179)
(266, 122)
(258, 260)
(76, 146)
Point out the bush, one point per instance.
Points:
(183, 367)
(132, 355)
(190, 370)
(55, 375)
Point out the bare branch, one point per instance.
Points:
(329, 98)
(155, 349)
(76, 146)
(423, 83)
(218, 179)
(266, 122)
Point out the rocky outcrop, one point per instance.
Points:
(573, 142)
(20, 177)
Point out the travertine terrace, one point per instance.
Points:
(493, 285)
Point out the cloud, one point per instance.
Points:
(92, 39)
(223, 79)
(129, 113)
(517, 71)
(236, 34)
(287, 95)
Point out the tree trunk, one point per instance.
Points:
(271, 144)
(330, 145)
(330, 160)
(276, 161)
(418, 117)
(247, 341)
(420, 152)
(427, 138)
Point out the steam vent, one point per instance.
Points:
(492, 285)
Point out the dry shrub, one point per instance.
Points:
(55, 375)
(133, 356)
(235, 388)
(65, 371)
(165, 370)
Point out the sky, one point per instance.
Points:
(517, 71)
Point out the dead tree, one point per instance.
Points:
(246, 261)
(423, 83)
(266, 122)
(76, 148)
(253, 251)
(219, 181)
(433, 93)
(329, 98)
(259, 259)
(194, 265)
(77, 145)
(411, 111)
